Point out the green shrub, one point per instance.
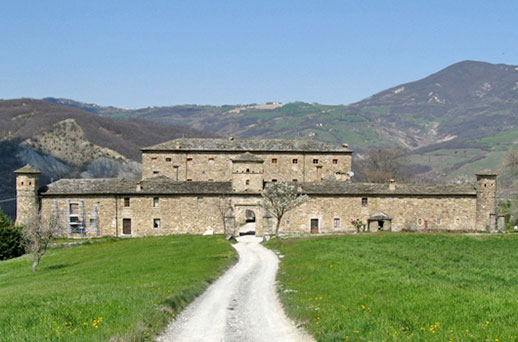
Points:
(11, 240)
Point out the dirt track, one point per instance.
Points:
(241, 306)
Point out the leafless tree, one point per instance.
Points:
(279, 198)
(38, 235)
(382, 165)
(510, 162)
(223, 205)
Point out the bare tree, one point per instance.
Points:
(223, 205)
(38, 236)
(382, 165)
(510, 162)
(279, 198)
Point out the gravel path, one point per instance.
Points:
(241, 306)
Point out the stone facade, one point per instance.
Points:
(182, 199)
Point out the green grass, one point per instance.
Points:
(111, 290)
(402, 287)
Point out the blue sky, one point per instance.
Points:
(145, 53)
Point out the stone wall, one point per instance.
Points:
(413, 213)
(207, 166)
(104, 215)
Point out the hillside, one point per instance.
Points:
(64, 141)
(458, 120)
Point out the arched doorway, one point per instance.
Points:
(248, 228)
(379, 221)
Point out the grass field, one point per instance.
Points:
(111, 290)
(402, 287)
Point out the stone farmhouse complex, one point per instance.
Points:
(192, 185)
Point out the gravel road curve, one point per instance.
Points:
(241, 306)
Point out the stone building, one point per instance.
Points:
(192, 185)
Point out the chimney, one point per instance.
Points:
(392, 185)
(139, 186)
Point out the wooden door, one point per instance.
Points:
(319, 173)
(126, 226)
(314, 226)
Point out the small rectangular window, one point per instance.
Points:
(335, 161)
(189, 179)
(364, 202)
(156, 202)
(336, 223)
(247, 182)
(274, 160)
(211, 159)
(189, 159)
(295, 161)
(156, 223)
(156, 172)
(153, 158)
(92, 222)
(274, 180)
(74, 208)
(315, 161)
(168, 159)
(294, 180)
(126, 201)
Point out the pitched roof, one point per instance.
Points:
(487, 172)
(347, 188)
(113, 186)
(248, 157)
(27, 169)
(244, 145)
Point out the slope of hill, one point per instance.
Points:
(64, 141)
(457, 120)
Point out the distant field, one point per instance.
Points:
(402, 287)
(114, 290)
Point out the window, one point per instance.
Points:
(153, 158)
(211, 160)
(189, 159)
(336, 222)
(315, 161)
(438, 221)
(126, 201)
(419, 221)
(294, 180)
(156, 172)
(274, 180)
(92, 222)
(295, 161)
(247, 182)
(247, 170)
(211, 180)
(156, 223)
(74, 208)
(335, 161)
(156, 202)
(74, 219)
(365, 202)
(168, 159)
(274, 160)
(189, 179)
